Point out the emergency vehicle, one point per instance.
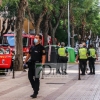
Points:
(9, 39)
(5, 57)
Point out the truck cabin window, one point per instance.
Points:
(10, 40)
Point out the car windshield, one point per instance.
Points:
(4, 51)
(11, 40)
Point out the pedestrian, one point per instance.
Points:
(92, 56)
(82, 57)
(58, 44)
(62, 52)
(57, 67)
(37, 55)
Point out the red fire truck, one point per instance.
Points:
(9, 39)
(5, 58)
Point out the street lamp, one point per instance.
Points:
(68, 26)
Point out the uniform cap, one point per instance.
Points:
(62, 44)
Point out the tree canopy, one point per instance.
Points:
(51, 17)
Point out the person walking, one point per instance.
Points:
(58, 67)
(37, 55)
(62, 52)
(91, 58)
(82, 57)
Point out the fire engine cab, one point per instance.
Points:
(9, 39)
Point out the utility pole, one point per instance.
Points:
(68, 26)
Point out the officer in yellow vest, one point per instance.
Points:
(82, 57)
(62, 52)
(92, 57)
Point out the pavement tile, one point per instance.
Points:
(68, 88)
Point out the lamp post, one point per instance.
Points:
(68, 26)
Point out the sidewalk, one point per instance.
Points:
(68, 88)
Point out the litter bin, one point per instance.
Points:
(71, 55)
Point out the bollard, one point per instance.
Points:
(13, 69)
(79, 72)
(53, 71)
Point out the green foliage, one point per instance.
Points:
(61, 34)
(81, 9)
(12, 7)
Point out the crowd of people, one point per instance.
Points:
(37, 54)
(87, 54)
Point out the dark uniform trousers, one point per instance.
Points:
(82, 65)
(57, 68)
(63, 61)
(92, 64)
(35, 82)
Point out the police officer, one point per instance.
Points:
(62, 52)
(37, 54)
(92, 56)
(82, 57)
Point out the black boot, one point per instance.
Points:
(90, 73)
(58, 72)
(33, 95)
(65, 72)
(93, 71)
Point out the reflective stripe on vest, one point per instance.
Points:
(61, 52)
(83, 53)
(92, 52)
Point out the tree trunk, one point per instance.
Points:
(83, 28)
(46, 29)
(37, 27)
(53, 37)
(52, 32)
(18, 35)
(53, 29)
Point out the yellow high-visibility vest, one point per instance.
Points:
(83, 53)
(92, 52)
(61, 52)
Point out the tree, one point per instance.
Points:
(18, 36)
(46, 15)
(18, 6)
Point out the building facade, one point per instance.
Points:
(26, 27)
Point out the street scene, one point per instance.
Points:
(50, 49)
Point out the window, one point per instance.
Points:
(25, 41)
(4, 51)
(11, 40)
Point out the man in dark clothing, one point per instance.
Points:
(37, 55)
(62, 52)
(58, 67)
(92, 57)
(82, 57)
